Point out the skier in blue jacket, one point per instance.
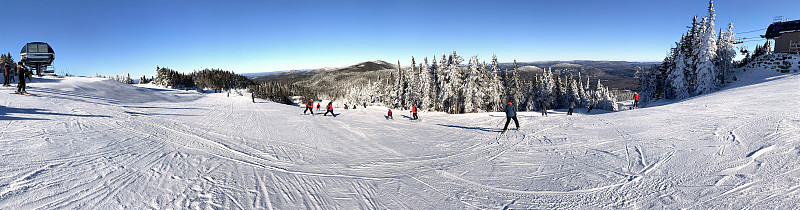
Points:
(511, 113)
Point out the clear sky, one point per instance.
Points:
(112, 37)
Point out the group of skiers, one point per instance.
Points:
(310, 106)
(510, 110)
(9, 71)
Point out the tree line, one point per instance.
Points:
(202, 79)
(698, 64)
(450, 85)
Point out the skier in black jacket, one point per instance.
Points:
(22, 71)
(511, 113)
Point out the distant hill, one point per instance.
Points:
(614, 74)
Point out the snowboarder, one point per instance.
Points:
(318, 106)
(22, 74)
(635, 100)
(571, 107)
(6, 74)
(511, 113)
(414, 112)
(389, 115)
(544, 108)
(330, 109)
(309, 106)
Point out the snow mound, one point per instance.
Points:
(106, 90)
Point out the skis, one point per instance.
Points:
(23, 93)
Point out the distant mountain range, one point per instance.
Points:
(614, 74)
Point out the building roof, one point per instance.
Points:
(775, 29)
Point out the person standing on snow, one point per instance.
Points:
(22, 74)
(544, 108)
(414, 112)
(511, 113)
(635, 100)
(389, 115)
(309, 106)
(6, 74)
(318, 106)
(571, 106)
(330, 109)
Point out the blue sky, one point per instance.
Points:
(112, 37)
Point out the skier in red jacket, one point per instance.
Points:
(318, 106)
(635, 100)
(414, 112)
(389, 115)
(309, 106)
(330, 109)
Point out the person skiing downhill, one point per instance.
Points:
(6, 74)
(389, 115)
(511, 113)
(330, 109)
(414, 112)
(309, 105)
(635, 100)
(318, 106)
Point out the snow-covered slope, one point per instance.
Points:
(99, 144)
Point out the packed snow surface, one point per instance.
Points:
(91, 143)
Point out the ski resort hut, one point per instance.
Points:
(786, 35)
(37, 56)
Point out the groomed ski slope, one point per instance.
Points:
(90, 143)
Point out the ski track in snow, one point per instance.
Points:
(94, 143)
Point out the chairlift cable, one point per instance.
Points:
(751, 31)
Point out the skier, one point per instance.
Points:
(544, 108)
(22, 74)
(571, 107)
(309, 106)
(635, 100)
(253, 96)
(345, 106)
(414, 112)
(389, 115)
(365, 105)
(318, 106)
(6, 74)
(330, 109)
(511, 113)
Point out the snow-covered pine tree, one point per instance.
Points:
(706, 69)
(456, 80)
(425, 86)
(516, 89)
(469, 87)
(726, 51)
(498, 92)
(445, 93)
(398, 88)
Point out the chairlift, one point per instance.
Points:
(743, 49)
